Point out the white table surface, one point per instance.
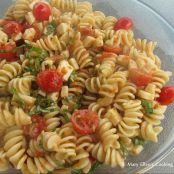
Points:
(166, 9)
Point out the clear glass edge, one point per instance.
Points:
(170, 149)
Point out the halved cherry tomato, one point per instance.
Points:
(112, 49)
(7, 51)
(124, 23)
(103, 56)
(12, 27)
(41, 11)
(87, 31)
(38, 125)
(50, 80)
(8, 56)
(166, 96)
(85, 121)
(139, 78)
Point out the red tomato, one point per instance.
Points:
(85, 121)
(139, 78)
(8, 56)
(41, 11)
(166, 96)
(112, 49)
(7, 51)
(104, 56)
(124, 23)
(87, 31)
(12, 27)
(50, 80)
(38, 125)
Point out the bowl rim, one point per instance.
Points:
(170, 149)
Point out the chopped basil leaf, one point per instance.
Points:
(77, 171)
(94, 167)
(44, 105)
(147, 106)
(19, 99)
(64, 112)
(36, 56)
(51, 27)
(124, 150)
(138, 141)
(72, 77)
(73, 101)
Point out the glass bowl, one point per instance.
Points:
(150, 25)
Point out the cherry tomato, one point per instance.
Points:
(50, 80)
(38, 125)
(12, 27)
(124, 23)
(41, 11)
(104, 56)
(85, 121)
(139, 78)
(112, 49)
(9, 56)
(87, 31)
(166, 96)
(7, 51)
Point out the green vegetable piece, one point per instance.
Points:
(64, 112)
(124, 150)
(44, 105)
(78, 171)
(19, 99)
(36, 56)
(94, 167)
(139, 141)
(51, 27)
(72, 77)
(147, 106)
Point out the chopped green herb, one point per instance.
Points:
(72, 77)
(51, 27)
(73, 101)
(94, 167)
(36, 56)
(147, 106)
(19, 99)
(78, 171)
(64, 112)
(138, 141)
(44, 105)
(124, 150)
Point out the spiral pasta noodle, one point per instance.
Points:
(8, 72)
(64, 5)
(110, 157)
(14, 146)
(132, 118)
(20, 9)
(126, 93)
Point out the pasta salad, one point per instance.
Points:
(77, 89)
